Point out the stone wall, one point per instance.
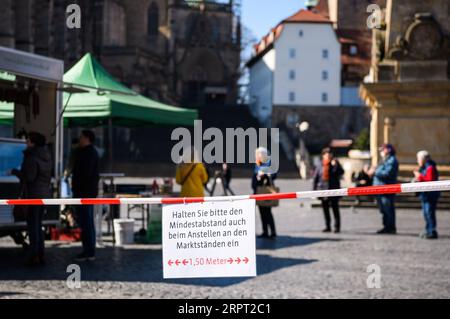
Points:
(325, 123)
(157, 64)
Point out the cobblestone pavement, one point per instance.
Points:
(301, 263)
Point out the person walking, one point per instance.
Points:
(222, 176)
(328, 176)
(386, 173)
(261, 178)
(192, 177)
(85, 178)
(35, 176)
(428, 172)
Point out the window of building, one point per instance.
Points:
(292, 53)
(291, 96)
(353, 50)
(324, 97)
(153, 20)
(324, 75)
(291, 74)
(325, 53)
(300, 33)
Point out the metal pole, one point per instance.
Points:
(110, 145)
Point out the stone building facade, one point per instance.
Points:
(185, 52)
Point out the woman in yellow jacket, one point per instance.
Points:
(191, 177)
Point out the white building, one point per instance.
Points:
(297, 64)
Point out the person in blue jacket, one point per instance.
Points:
(386, 173)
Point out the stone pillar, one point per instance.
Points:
(412, 117)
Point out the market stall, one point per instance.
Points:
(91, 98)
(30, 100)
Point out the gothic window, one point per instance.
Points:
(153, 19)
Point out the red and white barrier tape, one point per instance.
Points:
(354, 191)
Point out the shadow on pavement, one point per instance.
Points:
(132, 264)
(265, 264)
(289, 241)
(399, 234)
(5, 294)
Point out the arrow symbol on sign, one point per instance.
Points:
(185, 262)
(230, 260)
(170, 262)
(246, 260)
(238, 260)
(177, 262)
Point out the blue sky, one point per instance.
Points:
(261, 15)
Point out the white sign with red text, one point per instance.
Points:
(210, 239)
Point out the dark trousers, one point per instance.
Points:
(86, 222)
(225, 185)
(334, 203)
(35, 233)
(429, 213)
(386, 204)
(267, 220)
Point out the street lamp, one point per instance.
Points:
(303, 156)
(303, 126)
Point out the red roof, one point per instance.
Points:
(307, 16)
(302, 16)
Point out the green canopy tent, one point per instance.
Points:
(109, 101)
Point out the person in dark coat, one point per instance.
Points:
(428, 172)
(262, 177)
(328, 176)
(85, 178)
(35, 177)
(386, 173)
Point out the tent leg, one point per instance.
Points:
(110, 146)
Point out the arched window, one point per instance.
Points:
(153, 19)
